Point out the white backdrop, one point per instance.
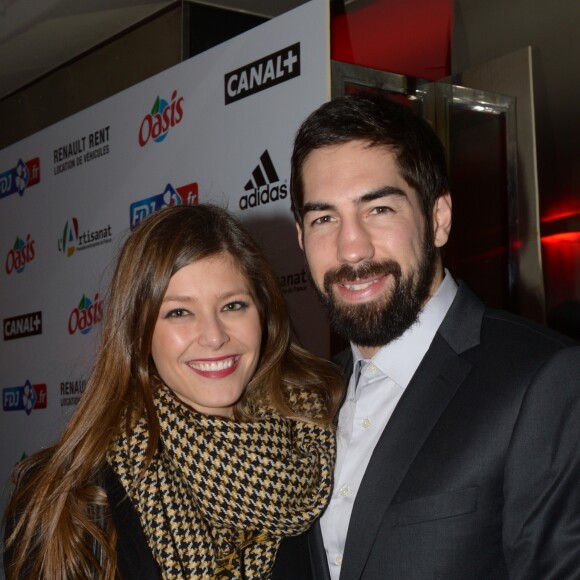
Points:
(70, 194)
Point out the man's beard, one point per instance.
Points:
(378, 322)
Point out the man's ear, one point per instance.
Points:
(300, 236)
(442, 220)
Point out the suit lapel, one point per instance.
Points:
(435, 382)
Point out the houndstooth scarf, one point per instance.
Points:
(220, 495)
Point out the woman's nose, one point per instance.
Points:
(212, 332)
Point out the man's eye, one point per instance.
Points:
(237, 305)
(381, 209)
(321, 220)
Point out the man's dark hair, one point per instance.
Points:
(380, 122)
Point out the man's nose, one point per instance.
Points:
(354, 243)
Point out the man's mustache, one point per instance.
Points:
(348, 273)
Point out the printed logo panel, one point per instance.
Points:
(25, 398)
(294, 281)
(71, 392)
(84, 317)
(22, 326)
(81, 150)
(18, 178)
(264, 186)
(184, 195)
(262, 74)
(21, 254)
(72, 239)
(164, 116)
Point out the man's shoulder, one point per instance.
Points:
(506, 326)
(499, 326)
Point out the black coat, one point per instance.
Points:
(477, 473)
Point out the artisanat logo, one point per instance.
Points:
(17, 179)
(294, 282)
(184, 195)
(264, 185)
(71, 391)
(20, 254)
(262, 74)
(71, 240)
(24, 398)
(23, 325)
(164, 115)
(81, 150)
(84, 317)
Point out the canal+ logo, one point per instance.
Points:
(21, 254)
(24, 398)
(264, 186)
(84, 317)
(164, 115)
(23, 325)
(262, 74)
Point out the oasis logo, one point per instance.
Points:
(21, 254)
(262, 74)
(17, 179)
(72, 240)
(86, 315)
(163, 117)
(184, 195)
(23, 325)
(264, 185)
(24, 398)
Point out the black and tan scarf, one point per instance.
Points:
(220, 495)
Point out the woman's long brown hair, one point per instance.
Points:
(59, 524)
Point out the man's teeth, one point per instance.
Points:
(219, 365)
(357, 287)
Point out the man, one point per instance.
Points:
(458, 439)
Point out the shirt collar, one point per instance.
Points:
(400, 359)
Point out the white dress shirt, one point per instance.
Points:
(367, 409)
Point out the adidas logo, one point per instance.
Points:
(260, 187)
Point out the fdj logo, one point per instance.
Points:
(185, 195)
(264, 185)
(21, 254)
(163, 116)
(24, 398)
(86, 315)
(17, 179)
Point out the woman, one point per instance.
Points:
(204, 435)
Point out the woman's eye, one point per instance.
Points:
(176, 313)
(237, 305)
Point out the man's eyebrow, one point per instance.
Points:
(313, 206)
(386, 191)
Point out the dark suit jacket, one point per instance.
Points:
(477, 473)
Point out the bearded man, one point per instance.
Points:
(458, 439)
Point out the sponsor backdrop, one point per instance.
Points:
(217, 128)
